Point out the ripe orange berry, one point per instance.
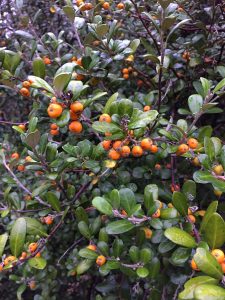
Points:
(147, 107)
(27, 197)
(192, 143)
(217, 193)
(186, 55)
(117, 145)
(38, 254)
(88, 6)
(54, 110)
(140, 83)
(148, 233)
(120, 5)
(196, 162)
(219, 255)
(24, 92)
(79, 61)
(9, 260)
(106, 145)
(23, 255)
(77, 107)
(22, 126)
(189, 211)
(54, 126)
(101, 260)
(26, 84)
(96, 43)
(32, 247)
(46, 60)
(137, 151)
(75, 127)
(113, 154)
(125, 76)
(28, 158)
(105, 118)
(218, 169)
(170, 205)
(223, 267)
(92, 247)
(1, 266)
(193, 265)
(156, 214)
(174, 187)
(21, 168)
(157, 166)
(80, 77)
(154, 149)
(15, 155)
(123, 212)
(54, 132)
(183, 148)
(125, 151)
(32, 284)
(48, 220)
(125, 71)
(191, 219)
(106, 5)
(53, 100)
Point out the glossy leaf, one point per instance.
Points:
(3, 240)
(102, 205)
(37, 263)
(215, 231)
(17, 236)
(180, 237)
(119, 227)
(180, 203)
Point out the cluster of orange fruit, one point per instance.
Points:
(24, 91)
(183, 148)
(101, 259)
(55, 110)
(10, 259)
(126, 72)
(46, 60)
(48, 220)
(84, 6)
(219, 256)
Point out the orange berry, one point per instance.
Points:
(21, 168)
(54, 126)
(38, 254)
(28, 158)
(120, 5)
(154, 149)
(223, 267)
(125, 151)
(26, 84)
(186, 55)
(46, 60)
(106, 5)
(74, 59)
(15, 155)
(53, 100)
(125, 71)
(32, 285)
(9, 260)
(54, 110)
(113, 154)
(189, 211)
(219, 255)
(77, 107)
(75, 127)
(218, 169)
(106, 145)
(191, 219)
(195, 161)
(117, 145)
(92, 247)
(137, 151)
(193, 265)
(125, 76)
(156, 214)
(33, 247)
(105, 118)
(74, 116)
(79, 61)
(24, 92)
(88, 6)
(123, 212)
(183, 148)
(24, 255)
(22, 126)
(27, 197)
(174, 187)
(1, 267)
(148, 233)
(101, 260)
(157, 166)
(192, 143)
(217, 193)
(54, 132)
(80, 77)
(170, 205)
(140, 83)
(48, 220)
(147, 107)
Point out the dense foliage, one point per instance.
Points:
(112, 152)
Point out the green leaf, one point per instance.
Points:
(106, 127)
(209, 292)
(154, 268)
(115, 198)
(143, 119)
(206, 86)
(189, 189)
(63, 120)
(38, 67)
(165, 246)
(20, 291)
(32, 139)
(81, 214)
(40, 189)
(180, 203)
(83, 266)
(215, 231)
(209, 148)
(168, 213)
(34, 227)
(176, 27)
(142, 272)
(180, 237)
(17, 236)
(195, 103)
(61, 81)
(37, 263)
(69, 11)
(87, 253)
(206, 177)
(53, 201)
(217, 145)
(117, 247)
(102, 205)
(40, 84)
(119, 227)
(145, 255)
(112, 99)
(3, 240)
(212, 208)
(192, 284)
(207, 263)
(151, 194)
(219, 86)
(127, 200)
(180, 256)
(84, 230)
